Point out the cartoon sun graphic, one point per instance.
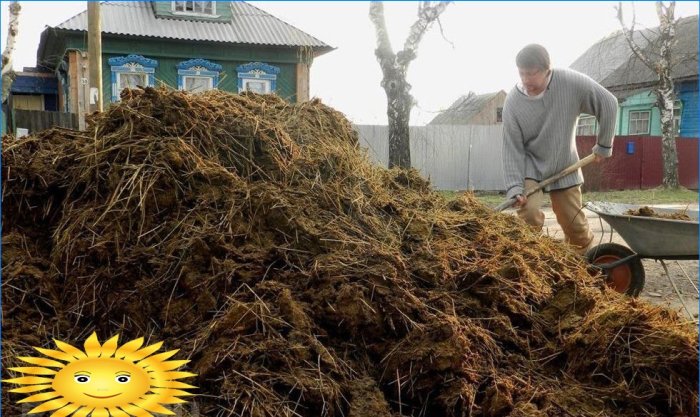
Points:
(102, 381)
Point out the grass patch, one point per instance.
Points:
(640, 197)
(652, 196)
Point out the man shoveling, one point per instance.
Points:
(539, 139)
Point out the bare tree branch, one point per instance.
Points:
(629, 33)
(442, 33)
(376, 15)
(427, 15)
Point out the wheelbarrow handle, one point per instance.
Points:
(568, 170)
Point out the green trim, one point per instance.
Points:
(124, 45)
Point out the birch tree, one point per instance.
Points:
(394, 67)
(658, 57)
(8, 74)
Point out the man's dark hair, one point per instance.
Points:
(533, 56)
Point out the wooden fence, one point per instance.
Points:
(637, 163)
(37, 120)
(470, 158)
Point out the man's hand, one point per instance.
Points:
(598, 158)
(520, 200)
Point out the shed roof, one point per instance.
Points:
(33, 81)
(464, 108)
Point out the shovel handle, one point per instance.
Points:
(568, 170)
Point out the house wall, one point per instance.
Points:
(169, 53)
(28, 101)
(688, 94)
(34, 102)
(487, 115)
(166, 73)
(640, 102)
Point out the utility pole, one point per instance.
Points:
(94, 56)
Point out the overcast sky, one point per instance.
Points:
(475, 51)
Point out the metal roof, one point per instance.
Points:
(612, 63)
(249, 25)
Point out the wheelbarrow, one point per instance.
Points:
(646, 238)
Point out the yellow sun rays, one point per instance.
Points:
(46, 380)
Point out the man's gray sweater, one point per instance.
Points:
(539, 134)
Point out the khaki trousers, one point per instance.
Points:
(566, 205)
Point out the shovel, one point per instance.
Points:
(585, 161)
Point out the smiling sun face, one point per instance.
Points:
(104, 380)
(101, 382)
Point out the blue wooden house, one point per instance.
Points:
(612, 63)
(187, 45)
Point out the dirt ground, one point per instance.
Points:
(658, 288)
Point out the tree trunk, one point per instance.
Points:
(665, 94)
(661, 65)
(399, 103)
(394, 68)
(665, 100)
(7, 73)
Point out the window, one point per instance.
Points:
(499, 114)
(257, 86)
(257, 77)
(132, 80)
(639, 122)
(197, 75)
(197, 84)
(587, 126)
(131, 71)
(677, 118)
(195, 7)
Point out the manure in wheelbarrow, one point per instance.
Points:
(301, 279)
(646, 211)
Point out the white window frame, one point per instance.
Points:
(119, 79)
(266, 83)
(258, 71)
(204, 77)
(198, 68)
(583, 124)
(677, 117)
(173, 7)
(637, 120)
(131, 64)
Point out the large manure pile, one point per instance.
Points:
(301, 280)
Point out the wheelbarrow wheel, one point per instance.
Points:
(627, 278)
